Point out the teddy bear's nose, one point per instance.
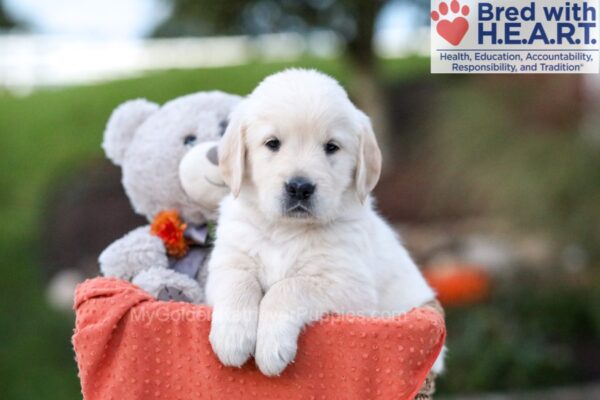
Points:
(213, 155)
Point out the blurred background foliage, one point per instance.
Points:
(524, 339)
(497, 171)
(544, 176)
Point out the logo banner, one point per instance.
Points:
(515, 36)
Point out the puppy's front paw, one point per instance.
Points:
(233, 336)
(276, 346)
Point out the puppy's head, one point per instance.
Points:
(298, 148)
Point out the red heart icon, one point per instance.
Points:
(453, 31)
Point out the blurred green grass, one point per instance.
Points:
(46, 135)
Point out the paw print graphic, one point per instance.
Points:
(453, 30)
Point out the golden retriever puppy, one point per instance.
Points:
(298, 236)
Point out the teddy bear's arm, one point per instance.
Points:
(167, 284)
(137, 251)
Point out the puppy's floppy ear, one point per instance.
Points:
(121, 127)
(232, 152)
(368, 166)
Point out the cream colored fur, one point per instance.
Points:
(271, 274)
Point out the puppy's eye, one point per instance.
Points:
(273, 144)
(189, 140)
(331, 148)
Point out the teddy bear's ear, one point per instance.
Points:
(122, 125)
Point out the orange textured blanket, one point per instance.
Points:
(130, 346)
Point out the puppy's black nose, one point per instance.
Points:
(299, 188)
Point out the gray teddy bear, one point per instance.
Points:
(168, 158)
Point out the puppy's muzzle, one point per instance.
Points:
(299, 191)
